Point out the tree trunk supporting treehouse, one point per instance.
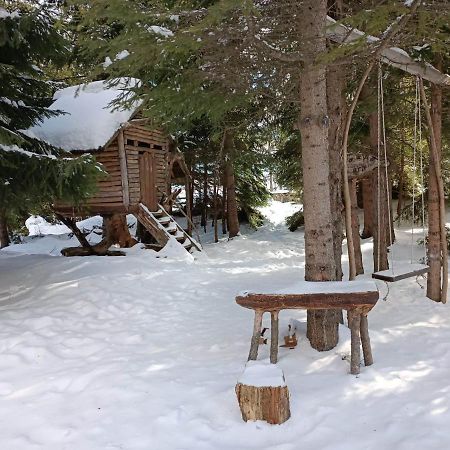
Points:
(115, 232)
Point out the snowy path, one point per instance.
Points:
(143, 353)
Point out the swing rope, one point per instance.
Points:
(382, 143)
(416, 113)
(417, 146)
(382, 189)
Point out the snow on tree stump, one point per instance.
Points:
(262, 393)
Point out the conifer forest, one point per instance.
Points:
(224, 224)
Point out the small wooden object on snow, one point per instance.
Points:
(290, 341)
(262, 393)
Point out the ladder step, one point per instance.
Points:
(158, 213)
(164, 220)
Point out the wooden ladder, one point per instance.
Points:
(162, 226)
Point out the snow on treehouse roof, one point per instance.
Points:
(90, 121)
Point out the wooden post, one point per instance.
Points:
(354, 323)
(253, 354)
(123, 169)
(274, 337)
(365, 341)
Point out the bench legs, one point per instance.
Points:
(365, 341)
(274, 337)
(354, 319)
(359, 330)
(253, 354)
(257, 323)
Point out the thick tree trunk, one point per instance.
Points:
(434, 278)
(320, 264)
(4, 235)
(355, 228)
(115, 231)
(232, 207)
(336, 80)
(368, 196)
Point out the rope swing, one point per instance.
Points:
(396, 271)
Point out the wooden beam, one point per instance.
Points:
(341, 300)
(123, 169)
(393, 56)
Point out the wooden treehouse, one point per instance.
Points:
(140, 161)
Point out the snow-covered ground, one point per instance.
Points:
(143, 352)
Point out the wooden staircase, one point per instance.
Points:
(162, 226)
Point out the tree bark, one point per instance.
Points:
(4, 235)
(232, 207)
(368, 206)
(434, 278)
(435, 144)
(268, 403)
(355, 228)
(320, 264)
(115, 231)
(336, 80)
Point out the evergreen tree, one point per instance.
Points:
(32, 172)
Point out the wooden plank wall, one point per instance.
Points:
(109, 196)
(109, 193)
(154, 138)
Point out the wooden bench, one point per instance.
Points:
(357, 297)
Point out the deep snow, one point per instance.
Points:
(141, 352)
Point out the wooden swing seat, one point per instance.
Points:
(401, 272)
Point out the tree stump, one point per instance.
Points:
(262, 393)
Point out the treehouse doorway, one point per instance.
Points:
(147, 176)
